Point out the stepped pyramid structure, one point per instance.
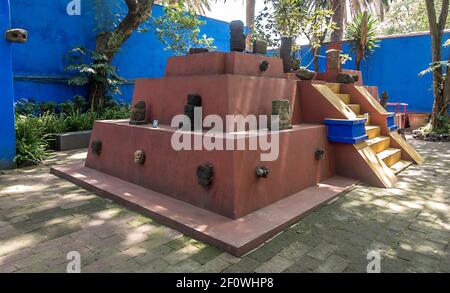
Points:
(233, 199)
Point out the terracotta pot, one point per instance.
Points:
(260, 47)
(417, 120)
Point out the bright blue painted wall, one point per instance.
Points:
(53, 33)
(7, 132)
(394, 68)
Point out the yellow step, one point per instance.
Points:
(344, 97)
(373, 131)
(363, 116)
(379, 143)
(400, 166)
(356, 108)
(390, 156)
(335, 87)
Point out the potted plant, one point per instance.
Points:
(259, 46)
(362, 31)
(417, 120)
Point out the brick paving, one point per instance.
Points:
(42, 218)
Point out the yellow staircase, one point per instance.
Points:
(380, 144)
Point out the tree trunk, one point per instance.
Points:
(338, 6)
(316, 52)
(359, 57)
(250, 21)
(440, 88)
(286, 53)
(108, 43)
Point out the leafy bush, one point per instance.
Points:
(37, 129)
(31, 143)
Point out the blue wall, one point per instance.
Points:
(394, 67)
(7, 132)
(38, 65)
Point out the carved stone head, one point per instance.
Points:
(96, 147)
(264, 66)
(319, 154)
(17, 35)
(139, 157)
(205, 174)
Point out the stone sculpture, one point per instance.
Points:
(264, 66)
(319, 155)
(282, 109)
(16, 35)
(96, 147)
(262, 172)
(198, 51)
(334, 59)
(345, 78)
(205, 174)
(139, 157)
(194, 101)
(237, 37)
(305, 74)
(138, 115)
(384, 99)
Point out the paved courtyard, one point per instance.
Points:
(42, 218)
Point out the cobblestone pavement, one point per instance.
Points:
(42, 218)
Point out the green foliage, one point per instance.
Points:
(178, 30)
(294, 18)
(363, 31)
(316, 24)
(435, 65)
(31, 143)
(407, 16)
(278, 18)
(445, 65)
(91, 66)
(36, 131)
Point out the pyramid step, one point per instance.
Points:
(364, 116)
(335, 87)
(345, 98)
(390, 156)
(379, 143)
(373, 131)
(356, 108)
(400, 166)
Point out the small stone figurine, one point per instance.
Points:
(139, 157)
(282, 109)
(237, 37)
(138, 116)
(384, 99)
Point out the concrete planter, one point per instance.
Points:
(390, 121)
(417, 120)
(72, 140)
(346, 131)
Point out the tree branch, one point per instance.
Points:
(431, 11)
(443, 16)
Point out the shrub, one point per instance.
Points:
(36, 129)
(31, 142)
